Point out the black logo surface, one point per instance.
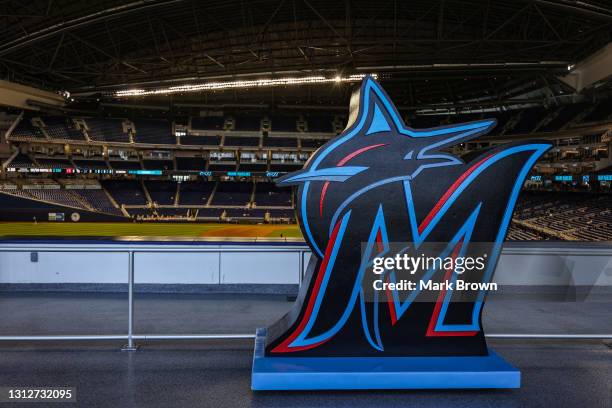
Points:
(379, 183)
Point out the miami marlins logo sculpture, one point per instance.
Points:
(381, 182)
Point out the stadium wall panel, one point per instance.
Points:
(81, 262)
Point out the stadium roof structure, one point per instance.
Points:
(436, 51)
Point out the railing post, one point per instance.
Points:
(301, 267)
(130, 337)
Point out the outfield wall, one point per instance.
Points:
(103, 264)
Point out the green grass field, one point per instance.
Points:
(94, 229)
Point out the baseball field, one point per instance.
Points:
(118, 229)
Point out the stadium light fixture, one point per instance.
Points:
(255, 83)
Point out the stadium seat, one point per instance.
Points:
(239, 141)
(61, 127)
(26, 130)
(161, 192)
(127, 192)
(153, 132)
(268, 194)
(195, 192)
(207, 123)
(107, 130)
(233, 193)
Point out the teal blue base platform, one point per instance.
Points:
(370, 373)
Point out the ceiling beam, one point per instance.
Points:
(55, 29)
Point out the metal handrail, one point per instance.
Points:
(131, 336)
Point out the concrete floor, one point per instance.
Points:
(106, 313)
(217, 373)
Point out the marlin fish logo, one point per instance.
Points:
(381, 182)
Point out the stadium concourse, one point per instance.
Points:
(144, 238)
